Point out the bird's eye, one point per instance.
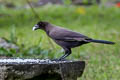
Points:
(40, 23)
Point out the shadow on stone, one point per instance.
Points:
(47, 76)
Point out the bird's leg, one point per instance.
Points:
(62, 57)
(67, 53)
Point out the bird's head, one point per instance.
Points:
(40, 25)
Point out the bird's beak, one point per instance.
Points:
(35, 27)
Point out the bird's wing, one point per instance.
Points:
(67, 35)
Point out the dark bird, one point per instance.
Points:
(67, 39)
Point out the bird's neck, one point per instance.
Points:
(48, 28)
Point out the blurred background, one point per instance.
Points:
(98, 19)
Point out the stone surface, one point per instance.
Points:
(44, 2)
(35, 69)
(82, 2)
(4, 43)
(51, 1)
(111, 3)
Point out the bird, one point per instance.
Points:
(65, 38)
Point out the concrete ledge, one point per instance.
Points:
(35, 69)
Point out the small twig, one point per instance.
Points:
(37, 16)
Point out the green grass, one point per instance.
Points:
(102, 61)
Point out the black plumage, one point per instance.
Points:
(67, 39)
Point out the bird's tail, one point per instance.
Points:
(101, 41)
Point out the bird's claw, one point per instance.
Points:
(59, 59)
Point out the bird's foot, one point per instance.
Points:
(59, 59)
(63, 59)
(54, 59)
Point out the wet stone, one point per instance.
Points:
(36, 69)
